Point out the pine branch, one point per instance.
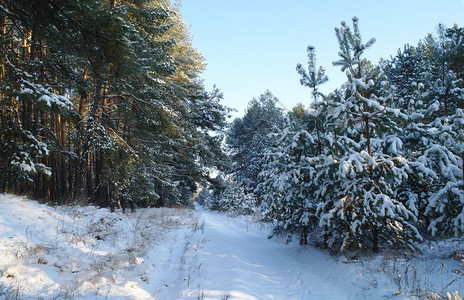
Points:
(7, 12)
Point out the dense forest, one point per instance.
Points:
(101, 102)
(376, 163)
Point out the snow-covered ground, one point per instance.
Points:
(90, 253)
(240, 261)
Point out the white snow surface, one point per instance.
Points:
(78, 252)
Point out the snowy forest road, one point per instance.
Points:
(236, 260)
(88, 253)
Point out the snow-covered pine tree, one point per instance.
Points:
(426, 77)
(234, 199)
(287, 180)
(247, 138)
(213, 200)
(370, 164)
(445, 207)
(313, 79)
(456, 59)
(405, 71)
(410, 73)
(32, 102)
(445, 153)
(110, 90)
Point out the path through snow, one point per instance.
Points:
(237, 260)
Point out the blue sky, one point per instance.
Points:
(254, 45)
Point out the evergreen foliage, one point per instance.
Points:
(101, 102)
(288, 180)
(289, 177)
(247, 139)
(371, 165)
(377, 162)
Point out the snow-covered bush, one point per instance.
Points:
(234, 199)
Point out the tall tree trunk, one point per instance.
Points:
(368, 137)
(375, 239)
(87, 155)
(2, 53)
